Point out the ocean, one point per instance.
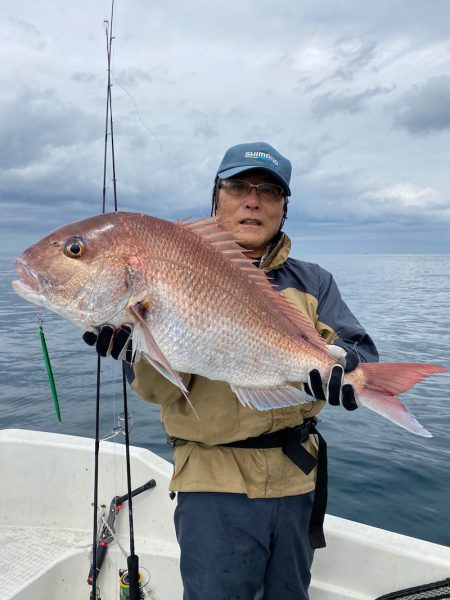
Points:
(379, 474)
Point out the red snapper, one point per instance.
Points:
(198, 305)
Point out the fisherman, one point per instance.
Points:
(252, 484)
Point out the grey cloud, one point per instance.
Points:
(413, 17)
(50, 156)
(331, 103)
(204, 124)
(308, 154)
(203, 84)
(35, 123)
(131, 76)
(353, 56)
(29, 32)
(294, 21)
(84, 77)
(341, 197)
(426, 108)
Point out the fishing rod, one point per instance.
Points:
(96, 455)
(132, 576)
(108, 25)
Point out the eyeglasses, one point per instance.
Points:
(240, 188)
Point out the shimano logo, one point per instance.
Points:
(262, 156)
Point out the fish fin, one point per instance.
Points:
(145, 345)
(205, 223)
(384, 381)
(268, 398)
(222, 241)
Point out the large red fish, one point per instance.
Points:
(198, 305)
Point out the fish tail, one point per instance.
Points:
(384, 383)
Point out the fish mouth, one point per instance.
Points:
(256, 222)
(30, 281)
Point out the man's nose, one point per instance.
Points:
(253, 200)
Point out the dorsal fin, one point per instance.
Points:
(222, 241)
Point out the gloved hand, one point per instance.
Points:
(111, 341)
(335, 393)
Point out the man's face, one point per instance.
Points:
(253, 221)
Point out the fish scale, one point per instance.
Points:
(209, 345)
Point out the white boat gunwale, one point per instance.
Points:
(360, 561)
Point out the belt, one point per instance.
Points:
(290, 441)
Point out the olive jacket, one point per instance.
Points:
(201, 462)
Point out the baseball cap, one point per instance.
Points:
(256, 155)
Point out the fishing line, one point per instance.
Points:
(116, 430)
(171, 163)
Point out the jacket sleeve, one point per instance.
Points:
(334, 312)
(151, 385)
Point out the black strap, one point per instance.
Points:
(316, 534)
(292, 447)
(290, 441)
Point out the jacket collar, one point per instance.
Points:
(277, 253)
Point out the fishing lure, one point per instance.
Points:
(48, 365)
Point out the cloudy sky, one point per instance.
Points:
(355, 93)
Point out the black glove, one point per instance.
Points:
(111, 341)
(335, 393)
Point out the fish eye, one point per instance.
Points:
(74, 248)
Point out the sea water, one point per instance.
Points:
(379, 474)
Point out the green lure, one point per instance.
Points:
(49, 373)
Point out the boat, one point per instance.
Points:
(47, 519)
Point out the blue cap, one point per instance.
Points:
(256, 155)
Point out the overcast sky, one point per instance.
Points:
(355, 93)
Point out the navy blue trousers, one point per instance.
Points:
(237, 548)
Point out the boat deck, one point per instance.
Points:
(29, 551)
(46, 535)
(51, 563)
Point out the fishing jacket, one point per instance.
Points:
(201, 461)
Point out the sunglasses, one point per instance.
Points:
(240, 188)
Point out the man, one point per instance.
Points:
(246, 519)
